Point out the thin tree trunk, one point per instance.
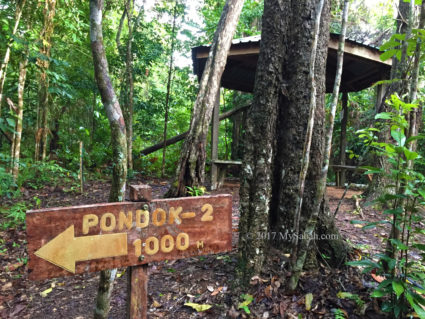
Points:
(301, 247)
(167, 97)
(191, 166)
(414, 119)
(3, 68)
(43, 94)
(20, 115)
(118, 140)
(130, 85)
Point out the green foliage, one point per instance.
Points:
(7, 184)
(40, 174)
(338, 313)
(404, 275)
(195, 190)
(247, 299)
(14, 216)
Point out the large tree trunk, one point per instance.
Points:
(118, 140)
(260, 130)
(276, 131)
(3, 68)
(43, 92)
(19, 116)
(191, 166)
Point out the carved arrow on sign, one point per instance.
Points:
(66, 249)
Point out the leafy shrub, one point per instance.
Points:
(40, 174)
(404, 277)
(7, 185)
(14, 216)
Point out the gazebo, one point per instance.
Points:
(361, 69)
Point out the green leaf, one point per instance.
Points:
(422, 192)
(398, 135)
(388, 54)
(399, 244)
(11, 122)
(414, 138)
(410, 155)
(415, 305)
(198, 307)
(378, 293)
(244, 304)
(398, 288)
(384, 116)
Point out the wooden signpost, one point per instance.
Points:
(79, 239)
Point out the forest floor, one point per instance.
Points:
(203, 280)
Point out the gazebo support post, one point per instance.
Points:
(343, 139)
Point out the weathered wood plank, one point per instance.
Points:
(159, 230)
(138, 291)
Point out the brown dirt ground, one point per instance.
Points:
(190, 280)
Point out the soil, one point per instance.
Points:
(203, 280)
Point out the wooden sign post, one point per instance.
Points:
(72, 240)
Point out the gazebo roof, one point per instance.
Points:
(362, 65)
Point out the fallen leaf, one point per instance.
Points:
(12, 267)
(210, 288)
(216, 291)
(156, 304)
(268, 291)
(282, 308)
(46, 292)
(6, 286)
(308, 301)
(377, 278)
(198, 307)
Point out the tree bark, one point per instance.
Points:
(167, 97)
(118, 140)
(20, 115)
(259, 142)
(293, 115)
(3, 68)
(191, 166)
(130, 85)
(275, 134)
(43, 92)
(301, 247)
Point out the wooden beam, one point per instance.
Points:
(360, 51)
(182, 136)
(232, 51)
(350, 48)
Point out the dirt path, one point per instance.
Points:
(204, 280)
